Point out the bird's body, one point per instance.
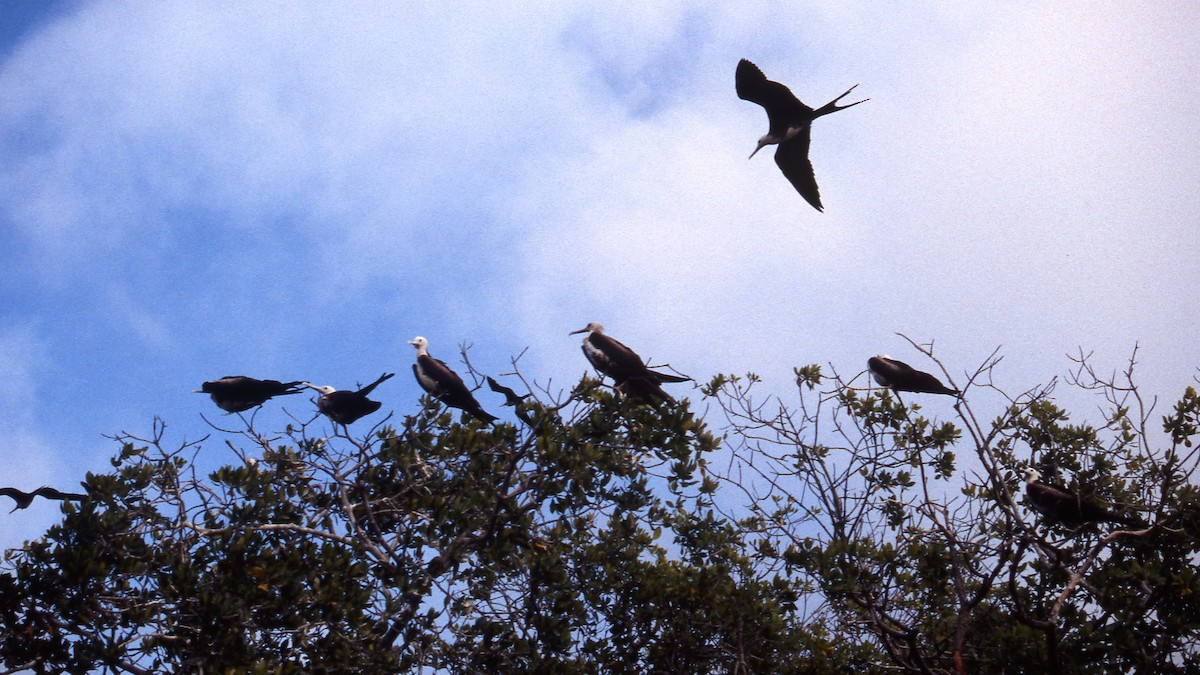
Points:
(24, 499)
(442, 383)
(347, 407)
(630, 374)
(238, 393)
(790, 126)
(1070, 509)
(900, 376)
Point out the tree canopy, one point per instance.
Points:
(836, 528)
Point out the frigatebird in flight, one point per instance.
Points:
(899, 376)
(237, 393)
(630, 374)
(347, 407)
(1070, 509)
(24, 499)
(436, 378)
(790, 126)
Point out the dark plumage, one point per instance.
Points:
(900, 376)
(237, 393)
(630, 374)
(790, 126)
(347, 407)
(510, 397)
(1066, 507)
(24, 499)
(436, 378)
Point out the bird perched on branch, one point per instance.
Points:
(347, 407)
(899, 376)
(436, 378)
(790, 126)
(630, 374)
(237, 393)
(1070, 509)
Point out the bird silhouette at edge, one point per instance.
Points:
(24, 499)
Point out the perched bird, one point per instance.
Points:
(347, 407)
(1066, 507)
(790, 126)
(444, 384)
(510, 397)
(630, 374)
(24, 499)
(236, 393)
(899, 376)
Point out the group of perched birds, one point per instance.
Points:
(629, 372)
(790, 126)
(630, 375)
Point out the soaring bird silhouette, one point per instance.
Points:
(347, 407)
(630, 374)
(1066, 507)
(899, 376)
(24, 499)
(436, 378)
(236, 393)
(790, 126)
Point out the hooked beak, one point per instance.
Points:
(760, 147)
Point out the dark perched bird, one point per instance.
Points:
(444, 384)
(899, 376)
(236, 393)
(790, 126)
(24, 499)
(347, 407)
(510, 397)
(630, 374)
(1066, 507)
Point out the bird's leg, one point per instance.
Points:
(832, 106)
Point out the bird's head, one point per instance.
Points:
(762, 143)
(420, 343)
(878, 365)
(324, 389)
(592, 327)
(1032, 475)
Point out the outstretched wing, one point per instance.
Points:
(792, 158)
(781, 104)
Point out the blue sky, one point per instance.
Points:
(295, 190)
